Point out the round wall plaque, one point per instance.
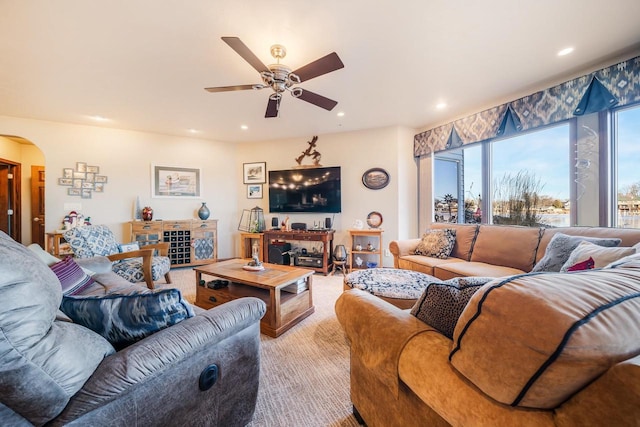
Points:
(375, 178)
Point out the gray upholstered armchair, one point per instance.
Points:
(135, 266)
(202, 371)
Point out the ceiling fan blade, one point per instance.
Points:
(229, 88)
(324, 65)
(241, 49)
(272, 107)
(318, 100)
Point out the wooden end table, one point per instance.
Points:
(286, 290)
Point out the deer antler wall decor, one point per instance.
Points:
(310, 152)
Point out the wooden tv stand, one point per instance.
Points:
(324, 236)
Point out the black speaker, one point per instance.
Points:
(278, 253)
(327, 223)
(298, 226)
(274, 222)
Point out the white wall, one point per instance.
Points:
(125, 157)
(389, 148)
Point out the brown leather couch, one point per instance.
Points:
(494, 250)
(401, 372)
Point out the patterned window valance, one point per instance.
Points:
(617, 85)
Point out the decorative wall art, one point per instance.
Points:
(375, 178)
(83, 181)
(254, 191)
(310, 152)
(254, 173)
(175, 182)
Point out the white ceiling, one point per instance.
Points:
(144, 64)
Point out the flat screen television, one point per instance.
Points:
(305, 190)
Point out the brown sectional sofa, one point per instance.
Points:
(405, 372)
(494, 250)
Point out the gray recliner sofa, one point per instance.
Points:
(202, 371)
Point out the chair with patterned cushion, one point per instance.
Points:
(139, 265)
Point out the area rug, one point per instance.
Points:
(304, 376)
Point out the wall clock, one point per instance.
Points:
(375, 178)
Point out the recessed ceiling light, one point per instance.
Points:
(441, 105)
(193, 131)
(340, 114)
(565, 51)
(99, 119)
(244, 127)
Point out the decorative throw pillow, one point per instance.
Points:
(621, 261)
(584, 265)
(437, 243)
(72, 278)
(560, 247)
(601, 256)
(49, 259)
(442, 303)
(126, 319)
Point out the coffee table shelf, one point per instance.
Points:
(284, 309)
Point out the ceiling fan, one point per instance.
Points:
(280, 78)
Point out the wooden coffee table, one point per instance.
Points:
(284, 308)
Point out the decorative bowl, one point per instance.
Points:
(372, 264)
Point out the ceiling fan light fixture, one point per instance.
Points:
(278, 52)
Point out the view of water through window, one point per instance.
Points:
(628, 176)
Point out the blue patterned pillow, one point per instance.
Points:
(442, 303)
(125, 319)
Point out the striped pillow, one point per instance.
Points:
(72, 278)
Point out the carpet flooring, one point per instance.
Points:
(304, 376)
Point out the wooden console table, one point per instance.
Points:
(324, 236)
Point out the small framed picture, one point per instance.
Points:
(67, 173)
(375, 178)
(100, 178)
(93, 169)
(81, 167)
(87, 185)
(98, 187)
(254, 173)
(254, 191)
(86, 193)
(73, 191)
(79, 175)
(77, 183)
(65, 181)
(90, 177)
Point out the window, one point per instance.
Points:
(626, 130)
(530, 178)
(447, 185)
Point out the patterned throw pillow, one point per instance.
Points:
(584, 265)
(72, 278)
(437, 243)
(125, 319)
(560, 247)
(442, 303)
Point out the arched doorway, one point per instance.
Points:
(22, 195)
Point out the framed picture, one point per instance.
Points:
(254, 191)
(67, 173)
(174, 182)
(93, 169)
(85, 193)
(81, 167)
(101, 179)
(98, 187)
(79, 175)
(254, 173)
(77, 183)
(375, 178)
(73, 191)
(65, 181)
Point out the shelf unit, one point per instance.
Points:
(364, 238)
(246, 245)
(192, 242)
(324, 236)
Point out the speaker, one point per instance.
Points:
(327, 223)
(278, 253)
(298, 226)
(274, 222)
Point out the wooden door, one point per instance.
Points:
(37, 205)
(10, 199)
